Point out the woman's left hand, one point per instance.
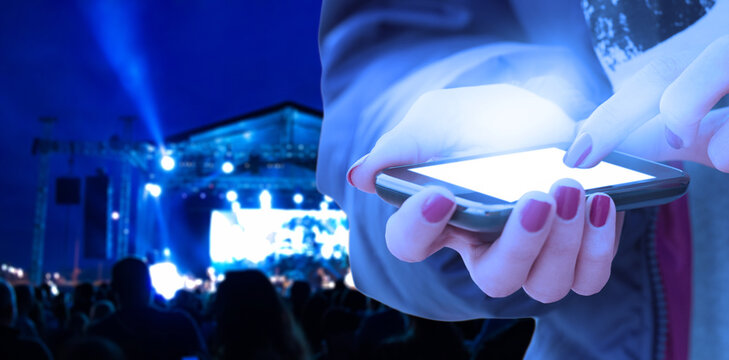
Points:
(664, 113)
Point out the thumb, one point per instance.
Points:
(392, 149)
(414, 231)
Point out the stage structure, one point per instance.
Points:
(234, 162)
(124, 151)
(253, 179)
(273, 148)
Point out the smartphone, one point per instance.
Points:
(487, 186)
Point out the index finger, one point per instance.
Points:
(636, 102)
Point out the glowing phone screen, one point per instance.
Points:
(510, 176)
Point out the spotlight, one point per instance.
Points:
(231, 195)
(167, 163)
(166, 252)
(298, 198)
(327, 198)
(265, 199)
(228, 167)
(115, 215)
(153, 189)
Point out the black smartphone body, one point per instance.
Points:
(487, 186)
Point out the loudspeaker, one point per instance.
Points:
(97, 239)
(68, 191)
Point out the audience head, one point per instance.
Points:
(252, 321)
(23, 299)
(131, 283)
(300, 291)
(354, 300)
(101, 310)
(7, 304)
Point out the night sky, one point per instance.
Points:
(176, 65)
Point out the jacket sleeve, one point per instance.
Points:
(377, 58)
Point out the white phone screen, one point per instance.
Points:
(510, 176)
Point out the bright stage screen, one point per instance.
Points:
(254, 236)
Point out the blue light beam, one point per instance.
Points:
(114, 25)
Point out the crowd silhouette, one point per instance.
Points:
(246, 318)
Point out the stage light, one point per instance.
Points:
(231, 195)
(324, 205)
(265, 199)
(115, 215)
(153, 189)
(298, 198)
(165, 279)
(327, 198)
(166, 252)
(167, 163)
(228, 167)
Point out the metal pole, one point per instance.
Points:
(41, 203)
(125, 193)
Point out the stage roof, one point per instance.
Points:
(272, 148)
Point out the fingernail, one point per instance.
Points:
(599, 210)
(436, 208)
(579, 151)
(568, 200)
(534, 215)
(354, 166)
(673, 139)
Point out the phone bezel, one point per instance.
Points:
(480, 212)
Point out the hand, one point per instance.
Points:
(551, 243)
(663, 113)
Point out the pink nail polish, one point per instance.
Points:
(599, 210)
(353, 167)
(579, 151)
(568, 200)
(436, 208)
(673, 140)
(534, 215)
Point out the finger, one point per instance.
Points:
(390, 150)
(619, 221)
(413, 232)
(592, 270)
(695, 92)
(649, 142)
(718, 149)
(502, 268)
(631, 106)
(409, 142)
(553, 273)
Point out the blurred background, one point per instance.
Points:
(117, 86)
